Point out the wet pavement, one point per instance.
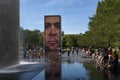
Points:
(23, 71)
(73, 67)
(75, 71)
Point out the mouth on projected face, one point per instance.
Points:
(52, 41)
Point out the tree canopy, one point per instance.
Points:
(104, 27)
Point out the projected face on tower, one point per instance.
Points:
(52, 32)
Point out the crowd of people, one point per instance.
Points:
(106, 59)
(31, 54)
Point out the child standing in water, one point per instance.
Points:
(39, 55)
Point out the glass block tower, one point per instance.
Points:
(9, 33)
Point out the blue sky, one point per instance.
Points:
(74, 14)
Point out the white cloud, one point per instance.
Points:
(61, 2)
(50, 3)
(69, 2)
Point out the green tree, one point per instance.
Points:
(105, 24)
(33, 37)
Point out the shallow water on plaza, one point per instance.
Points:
(71, 70)
(66, 70)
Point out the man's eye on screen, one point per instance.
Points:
(47, 25)
(57, 25)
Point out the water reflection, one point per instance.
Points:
(64, 69)
(69, 70)
(74, 71)
(53, 71)
(99, 75)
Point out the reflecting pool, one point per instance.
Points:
(65, 70)
(76, 71)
